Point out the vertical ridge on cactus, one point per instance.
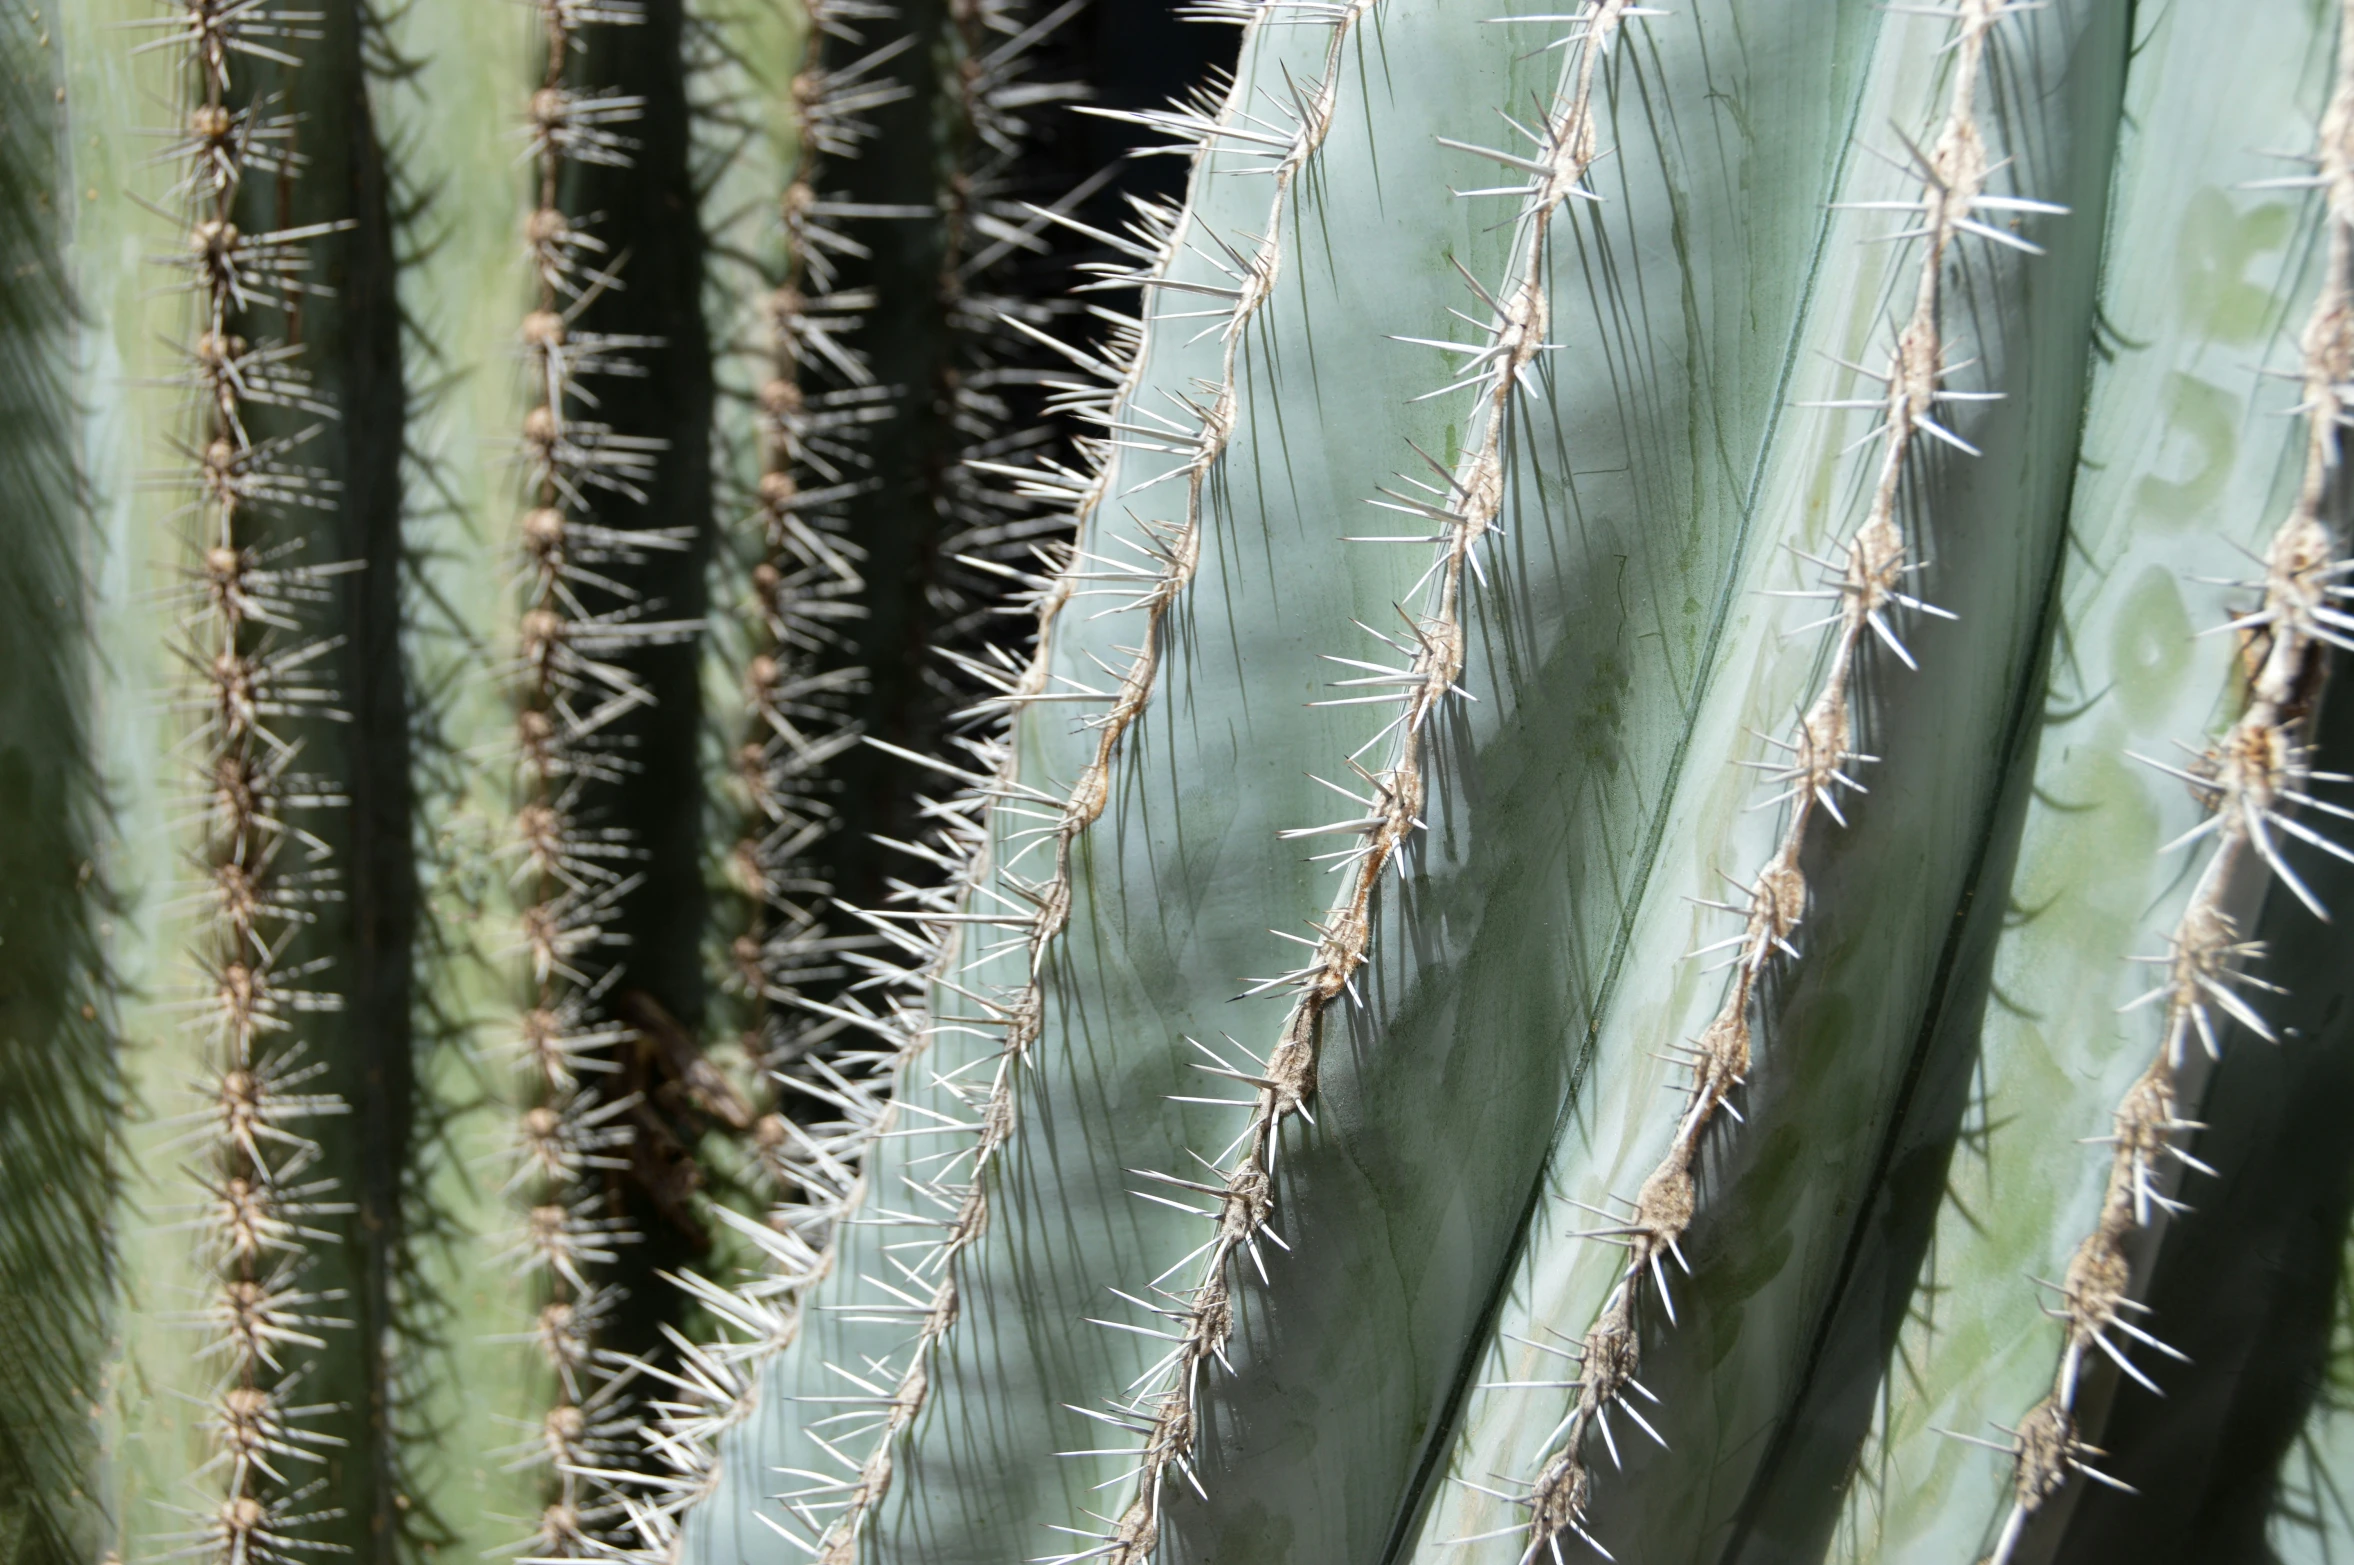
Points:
(259, 685)
(1463, 508)
(673, 675)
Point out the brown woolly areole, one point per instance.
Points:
(2250, 782)
(1868, 588)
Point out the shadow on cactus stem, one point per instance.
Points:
(60, 1095)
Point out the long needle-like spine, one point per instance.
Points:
(2252, 782)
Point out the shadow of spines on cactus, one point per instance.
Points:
(59, 1082)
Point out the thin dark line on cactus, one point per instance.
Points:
(2253, 783)
(1447, 1416)
(1458, 512)
(1868, 590)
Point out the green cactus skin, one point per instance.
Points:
(1877, 962)
(458, 79)
(2095, 891)
(794, 414)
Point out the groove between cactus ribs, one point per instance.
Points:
(1867, 586)
(2249, 782)
(247, 639)
(1464, 506)
(569, 692)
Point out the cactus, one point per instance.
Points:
(1591, 812)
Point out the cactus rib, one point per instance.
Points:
(2250, 784)
(1463, 509)
(1152, 590)
(260, 670)
(817, 399)
(1869, 587)
(1171, 551)
(571, 690)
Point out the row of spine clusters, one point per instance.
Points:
(802, 587)
(1868, 598)
(2251, 784)
(258, 686)
(581, 621)
(795, 578)
(811, 987)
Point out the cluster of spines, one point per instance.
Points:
(580, 620)
(1868, 596)
(258, 670)
(2251, 784)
